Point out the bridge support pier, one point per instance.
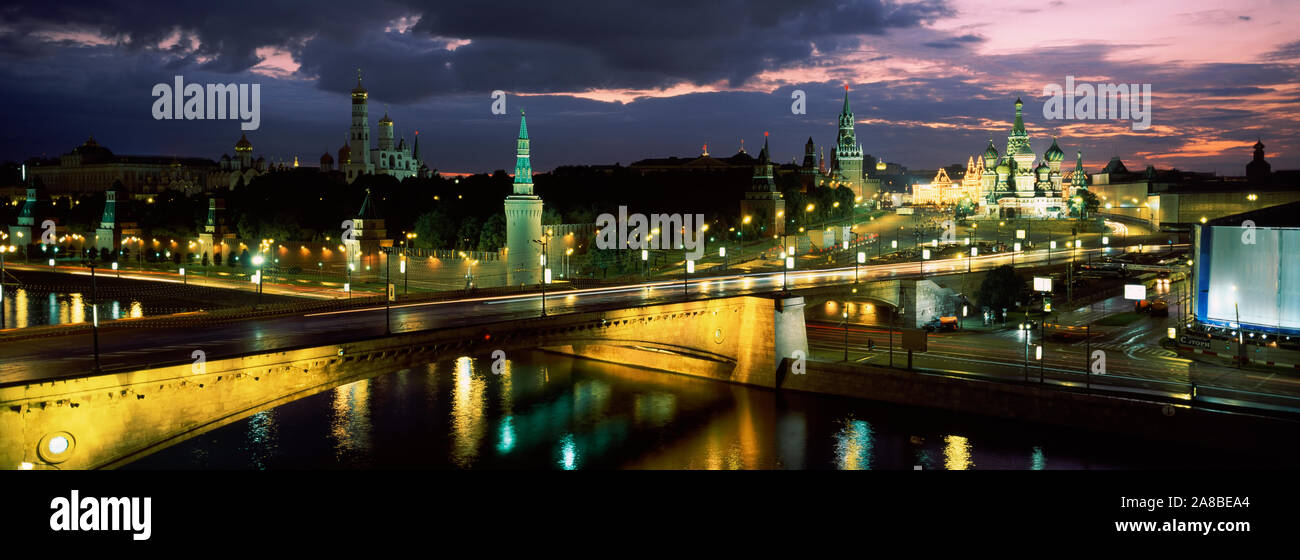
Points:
(790, 334)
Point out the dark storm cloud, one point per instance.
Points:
(1289, 51)
(516, 45)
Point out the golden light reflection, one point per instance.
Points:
(467, 401)
(350, 421)
(77, 311)
(957, 453)
(137, 310)
(20, 308)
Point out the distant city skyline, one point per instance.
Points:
(931, 82)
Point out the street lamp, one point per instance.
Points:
(347, 286)
(789, 265)
(845, 315)
(3, 249)
(686, 278)
(388, 289)
(862, 258)
(546, 272)
(257, 261)
(94, 313)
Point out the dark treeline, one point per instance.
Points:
(464, 213)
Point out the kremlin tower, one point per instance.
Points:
(523, 219)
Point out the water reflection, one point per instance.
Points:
(261, 439)
(467, 412)
(350, 421)
(957, 453)
(30, 308)
(543, 411)
(853, 446)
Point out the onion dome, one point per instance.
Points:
(359, 89)
(326, 159)
(386, 121)
(1054, 153)
(1004, 169)
(990, 153)
(345, 154)
(243, 145)
(225, 158)
(1043, 170)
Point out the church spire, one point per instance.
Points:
(1019, 127)
(1079, 179)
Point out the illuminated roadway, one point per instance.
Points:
(33, 359)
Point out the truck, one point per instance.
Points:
(939, 324)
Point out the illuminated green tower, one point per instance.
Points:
(523, 218)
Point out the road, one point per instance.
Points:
(1133, 358)
(33, 359)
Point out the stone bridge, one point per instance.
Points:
(105, 421)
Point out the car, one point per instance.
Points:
(1159, 308)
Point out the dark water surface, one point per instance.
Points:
(551, 412)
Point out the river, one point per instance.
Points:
(544, 411)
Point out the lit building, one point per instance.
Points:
(1013, 186)
(91, 168)
(387, 158)
(763, 204)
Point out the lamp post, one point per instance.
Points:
(789, 265)
(845, 316)
(1024, 328)
(545, 271)
(406, 251)
(862, 258)
(686, 278)
(94, 313)
(741, 234)
(257, 261)
(347, 287)
(388, 289)
(3, 250)
(645, 257)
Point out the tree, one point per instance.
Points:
(550, 216)
(468, 235)
(965, 207)
(493, 235)
(1090, 203)
(1000, 289)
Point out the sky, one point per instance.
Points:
(930, 81)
